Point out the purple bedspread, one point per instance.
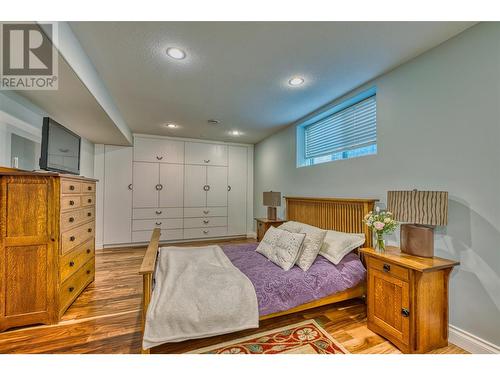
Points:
(279, 290)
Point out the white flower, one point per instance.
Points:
(387, 220)
(307, 334)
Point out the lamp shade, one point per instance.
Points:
(272, 198)
(419, 207)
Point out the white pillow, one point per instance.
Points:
(311, 245)
(281, 247)
(338, 244)
(291, 226)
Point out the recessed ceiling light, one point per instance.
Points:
(235, 132)
(176, 53)
(171, 125)
(296, 81)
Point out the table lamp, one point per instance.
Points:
(272, 199)
(421, 211)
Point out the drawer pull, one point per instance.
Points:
(228, 187)
(89, 230)
(386, 267)
(206, 211)
(206, 187)
(157, 223)
(89, 188)
(405, 312)
(89, 200)
(71, 203)
(130, 186)
(88, 251)
(205, 231)
(71, 187)
(207, 160)
(88, 272)
(71, 289)
(159, 157)
(71, 264)
(89, 214)
(71, 219)
(159, 187)
(158, 212)
(206, 221)
(72, 238)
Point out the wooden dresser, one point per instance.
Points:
(408, 299)
(263, 225)
(47, 224)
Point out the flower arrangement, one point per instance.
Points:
(381, 222)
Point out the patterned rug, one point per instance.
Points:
(303, 338)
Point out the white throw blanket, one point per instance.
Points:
(198, 293)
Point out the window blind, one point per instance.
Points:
(348, 129)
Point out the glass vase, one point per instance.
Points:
(379, 242)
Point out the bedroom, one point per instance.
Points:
(277, 187)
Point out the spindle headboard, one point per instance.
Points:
(340, 214)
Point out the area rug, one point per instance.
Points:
(303, 338)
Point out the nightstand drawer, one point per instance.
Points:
(389, 268)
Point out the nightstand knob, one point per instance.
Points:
(405, 312)
(386, 268)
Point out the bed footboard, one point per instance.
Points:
(147, 269)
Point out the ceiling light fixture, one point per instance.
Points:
(235, 132)
(176, 53)
(171, 126)
(296, 81)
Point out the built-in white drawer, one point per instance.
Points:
(205, 232)
(202, 222)
(149, 224)
(166, 235)
(157, 213)
(204, 211)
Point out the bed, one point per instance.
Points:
(284, 292)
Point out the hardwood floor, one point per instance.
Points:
(106, 318)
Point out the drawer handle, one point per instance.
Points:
(130, 186)
(88, 251)
(386, 268)
(89, 188)
(89, 200)
(88, 272)
(71, 187)
(71, 219)
(207, 160)
(405, 312)
(71, 289)
(72, 238)
(71, 203)
(206, 187)
(157, 223)
(228, 187)
(71, 264)
(205, 231)
(89, 214)
(159, 157)
(206, 221)
(89, 230)
(158, 212)
(159, 187)
(206, 211)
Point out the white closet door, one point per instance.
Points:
(206, 153)
(195, 178)
(237, 191)
(146, 178)
(117, 195)
(172, 185)
(158, 150)
(217, 182)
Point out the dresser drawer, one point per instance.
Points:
(205, 211)
(204, 222)
(88, 187)
(166, 235)
(205, 232)
(70, 187)
(388, 268)
(76, 236)
(71, 262)
(157, 223)
(70, 202)
(88, 200)
(74, 285)
(157, 213)
(75, 218)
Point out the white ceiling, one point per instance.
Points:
(237, 72)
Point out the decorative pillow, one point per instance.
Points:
(291, 226)
(338, 244)
(281, 247)
(311, 245)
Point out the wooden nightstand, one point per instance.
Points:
(408, 299)
(264, 224)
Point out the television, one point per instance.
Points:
(60, 148)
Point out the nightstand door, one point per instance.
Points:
(388, 304)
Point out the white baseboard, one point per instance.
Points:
(99, 246)
(251, 235)
(471, 343)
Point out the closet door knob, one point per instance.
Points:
(159, 157)
(228, 187)
(206, 187)
(207, 160)
(158, 212)
(130, 186)
(159, 187)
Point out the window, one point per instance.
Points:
(345, 131)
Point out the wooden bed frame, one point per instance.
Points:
(344, 215)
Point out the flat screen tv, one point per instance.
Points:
(60, 148)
